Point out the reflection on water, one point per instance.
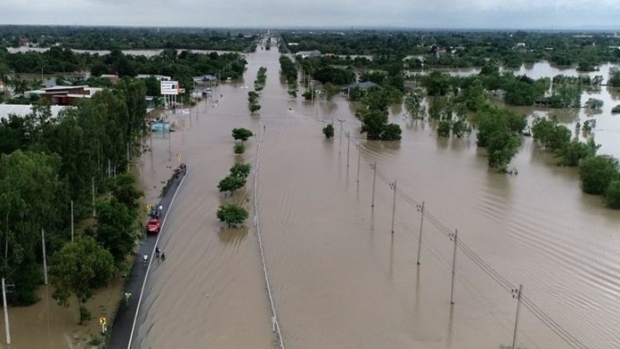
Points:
(340, 278)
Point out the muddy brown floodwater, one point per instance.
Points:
(340, 278)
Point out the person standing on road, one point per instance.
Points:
(127, 297)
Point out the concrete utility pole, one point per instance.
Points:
(359, 159)
(517, 295)
(393, 186)
(340, 144)
(6, 314)
(72, 230)
(421, 209)
(169, 142)
(455, 238)
(93, 192)
(44, 256)
(374, 180)
(348, 146)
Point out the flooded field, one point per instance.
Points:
(340, 278)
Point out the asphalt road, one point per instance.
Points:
(126, 316)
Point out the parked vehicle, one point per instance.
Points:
(153, 226)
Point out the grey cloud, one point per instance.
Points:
(315, 13)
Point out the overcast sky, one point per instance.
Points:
(509, 14)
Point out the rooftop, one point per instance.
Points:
(25, 109)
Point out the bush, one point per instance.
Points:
(612, 195)
(232, 214)
(597, 173)
(328, 131)
(241, 134)
(239, 148)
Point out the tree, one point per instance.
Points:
(231, 183)
(239, 148)
(597, 173)
(241, 134)
(240, 170)
(328, 131)
(593, 103)
(612, 195)
(331, 90)
(80, 268)
(254, 108)
(574, 152)
(503, 146)
(413, 105)
(232, 214)
(29, 201)
(116, 228)
(614, 77)
(123, 187)
(443, 129)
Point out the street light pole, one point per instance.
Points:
(72, 230)
(6, 313)
(44, 256)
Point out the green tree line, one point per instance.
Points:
(45, 164)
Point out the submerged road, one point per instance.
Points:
(127, 313)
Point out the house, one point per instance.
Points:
(25, 109)
(309, 54)
(158, 77)
(64, 95)
(49, 82)
(112, 77)
(205, 78)
(364, 85)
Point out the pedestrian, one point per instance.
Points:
(127, 297)
(163, 256)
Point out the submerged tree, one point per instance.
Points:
(328, 131)
(232, 214)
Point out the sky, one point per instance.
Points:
(482, 14)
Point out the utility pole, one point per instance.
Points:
(6, 313)
(516, 294)
(421, 209)
(348, 146)
(359, 158)
(44, 256)
(169, 142)
(453, 237)
(340, 144)
(393, 186)
(72, 230)
(93, 192)
(374, 180)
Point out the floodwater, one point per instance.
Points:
(340, 278)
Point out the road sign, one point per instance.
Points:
(170, 88)
(102, 321)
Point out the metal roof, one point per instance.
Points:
(25, 109)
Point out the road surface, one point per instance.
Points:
(126, 314)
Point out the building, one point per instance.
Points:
(158, 77)
(309, 54)
(365, 85)
(112, 77)
(64, 95)
(25, 109)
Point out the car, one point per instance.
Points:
(153, 226)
